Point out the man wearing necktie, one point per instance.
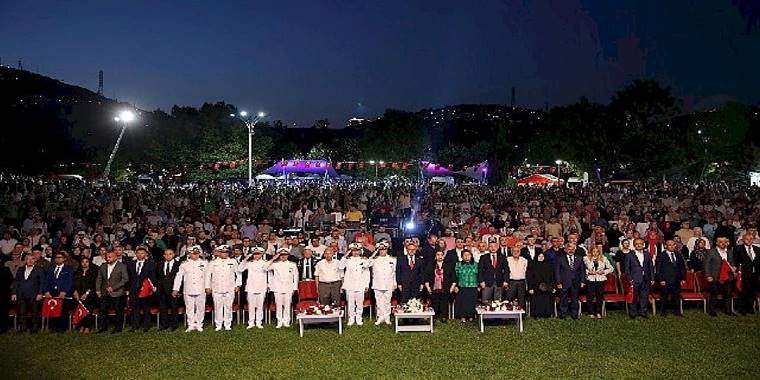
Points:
(670, 271)
(60, 281)
(138, 270)
(570, 273)
(166, 272)
(748, 261)
(493, 273)
(409, 271)
(306, 265)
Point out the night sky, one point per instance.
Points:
(305, 60)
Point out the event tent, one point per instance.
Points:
(538, 180)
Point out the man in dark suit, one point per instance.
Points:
(493, 273)
(570, 273)
(454, 256)
(721, 273)
(166, 271)
(140, 269)
(530, 251)
(638, 266)
(409, 270)
(6, 284)
(58, 284)
(748, 260)
(27, 291)
(306, 265)
(670, 271)
(110, 288)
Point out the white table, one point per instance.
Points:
(306, 319)
(501, 314)
(427, 315)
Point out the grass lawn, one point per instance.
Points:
(696, 346)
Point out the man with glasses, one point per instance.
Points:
(60, 280)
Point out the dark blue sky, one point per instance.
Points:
(305, 60)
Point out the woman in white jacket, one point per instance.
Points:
(283, 281)
(355, 282)
(255, 286)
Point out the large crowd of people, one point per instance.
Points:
(173, 253)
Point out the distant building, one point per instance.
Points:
(356, 123)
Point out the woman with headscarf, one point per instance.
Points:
(84, 291)
(541, 287)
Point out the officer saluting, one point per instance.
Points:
(283, 282)
(222, 282)
(383, 281)
(191, 276)
(256, 286)
(355, 282)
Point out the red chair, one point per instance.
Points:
(307, 290)
(689, 292)
(705, 286)
(655, 296)
(13, 313)
(612, 294)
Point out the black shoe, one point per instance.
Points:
(146, 329)
(678, 314)
(731, 314)
(632, 317)
(663, 314)
(644, 316)
(561, 317)
(712, 314)
(101, 331)
(116, 331)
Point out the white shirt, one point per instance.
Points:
(191, 276)
(383, 273)
(28, 272)
(222, 275)
(517, 268)
(640, 256)
(257, 275)
(723, 254)
(356, 275)
(327, 271)
(109, 269)
(139, 265)
(750, 252)
(284, 277)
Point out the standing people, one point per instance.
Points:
(541, 286)
(27, 291)
(569, 272)
(256, 286)
(720, 272)
(283, 282)
(223, 283)
(140, 271)
(166, 273)
(638, 267)
(84, 291)
(409, 268)
(355, 282)
(328, 278)
(493, 273)
(518, 267)
(383, 282)
(670, 271)
(439, 282)
(597, 269)
(465, 287)
(60, 280)
(110, 288)
(191, 278)
(748, 260)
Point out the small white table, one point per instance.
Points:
(427, 315)
(501, 314)
(306, 319)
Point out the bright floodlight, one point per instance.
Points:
(699, 132)
(409, 225)
(372, 162)
(243, 113)
(558, 162)
(116, 119)
(261, 114)
(126, 116)
(232, 114)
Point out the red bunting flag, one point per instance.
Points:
(307, 164)
(394, 165)
(382, 165)
(338, 165)
(450, 167)
(361, 164)
(629, 293)
(405, 166)
(52, 307)
(350, 166)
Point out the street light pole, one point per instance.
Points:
(123, 118)
(250, 123)
(559, 175)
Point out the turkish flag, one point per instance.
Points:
(338, 165)
(629, 293)
(52, 308)
(79, 313)
(146, 290)
(739, 282)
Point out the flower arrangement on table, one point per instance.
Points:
(321, 310)
(414, 305)
(500, 306)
